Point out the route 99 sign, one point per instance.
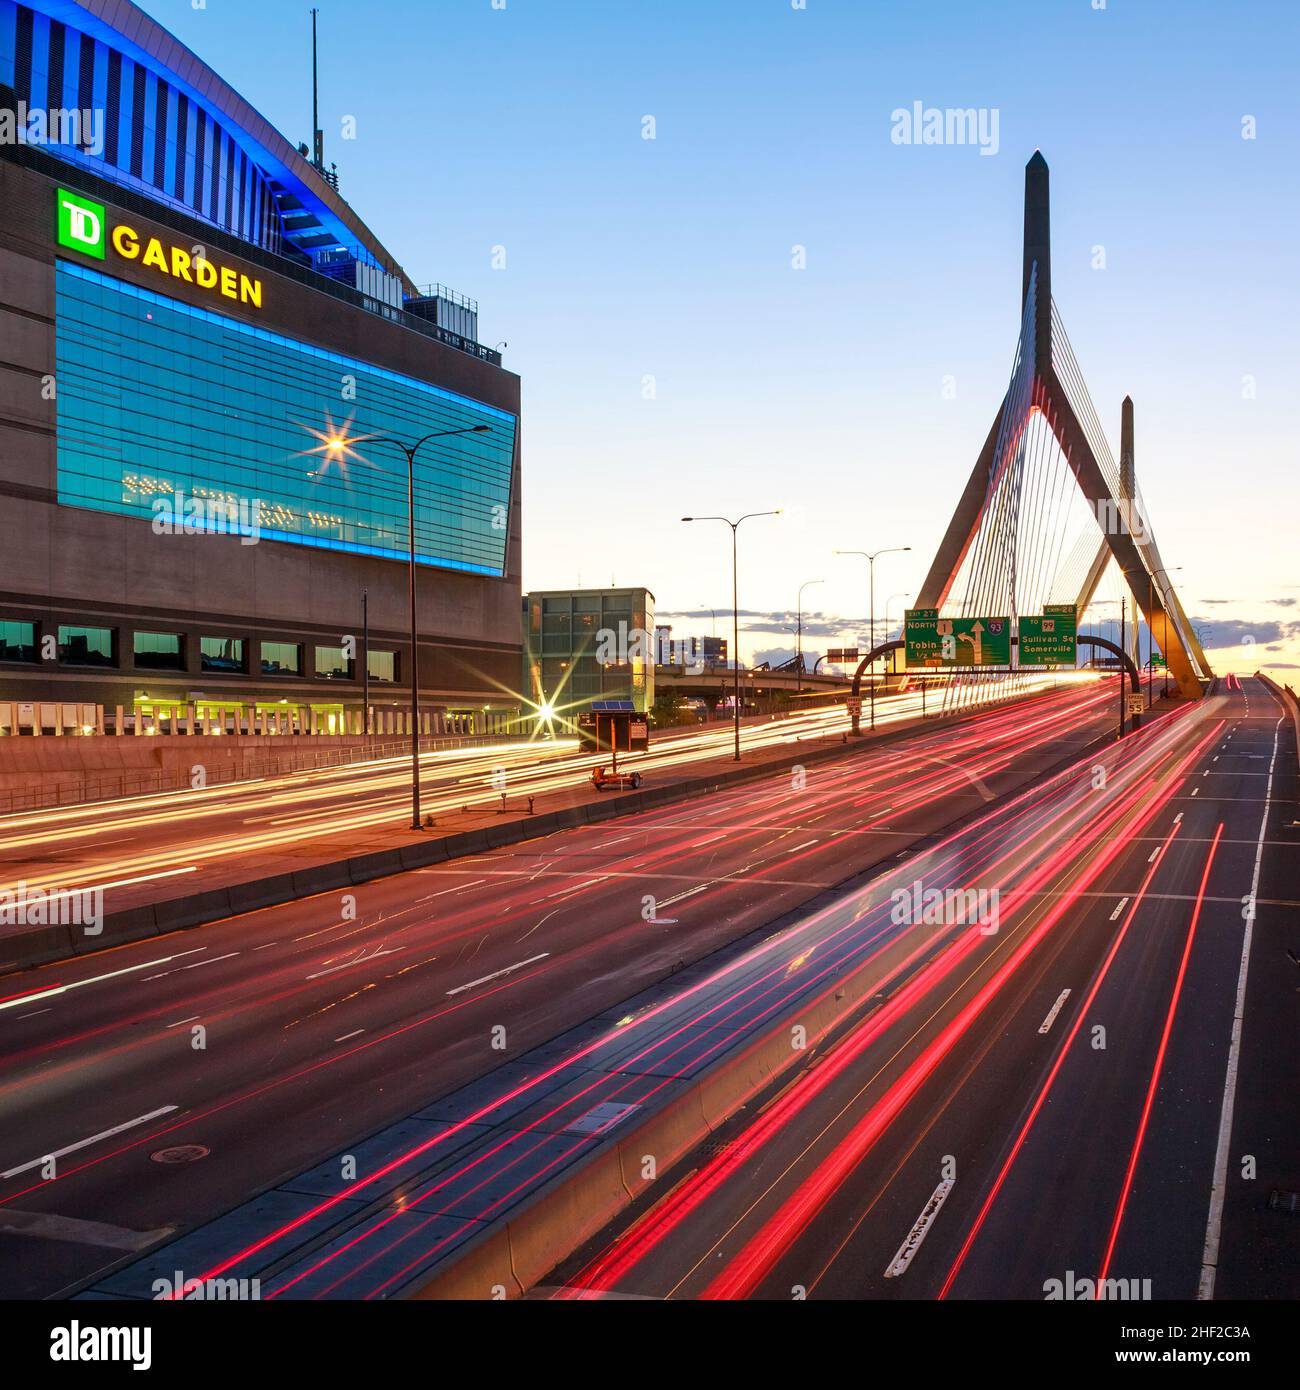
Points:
(932, 641)
(1049, 640)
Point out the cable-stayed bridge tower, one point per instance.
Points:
(1046, 507)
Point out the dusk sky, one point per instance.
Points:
(674, 358)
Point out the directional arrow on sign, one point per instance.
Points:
(976, 639)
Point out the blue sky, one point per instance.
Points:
(821, 389)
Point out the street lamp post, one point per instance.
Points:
(888, 601)
(808, 583)
(365, 659)
(735, 605)
(335, 446)
(870, 557)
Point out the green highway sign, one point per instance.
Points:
(930, 640)
(1049, 639)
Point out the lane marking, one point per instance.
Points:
(348, 964)
(96, 979)
(1046, 1024)
(497, 974)
(46, 1226)
(1123, 903)
(1218, 1186)
(912, 1241)
(346, 1036)
(194, 965)
(181, 1022)
(85, 1143)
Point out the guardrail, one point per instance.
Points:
(1290, 701)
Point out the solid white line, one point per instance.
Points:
(180, 1022)
(85, 1143)
(912, 1241)
(144, 878)
(1046, 1024)
(497, 974)
(1214, 1224)
(346, 1036)
(1123, 903)
(97, 979)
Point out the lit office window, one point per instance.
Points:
(383, 667)
(86, 646)
(18, 642)
(158, 651)
(224, 654)
(281, 659)
(333, 664)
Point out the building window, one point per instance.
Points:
(383, 667)
(333, 664)
(18, 641)
(281, 659)
(224, 654)
(86, 646)
(159, 651)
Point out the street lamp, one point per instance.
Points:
(335, 446)
(888, 601)
(870, 558)
(735, 603)
(808, 583)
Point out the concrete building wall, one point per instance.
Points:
(62, 564)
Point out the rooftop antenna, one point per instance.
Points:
(318, 135)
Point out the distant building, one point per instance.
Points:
(691, 653)
(582, 645)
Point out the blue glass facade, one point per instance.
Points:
(159, 399)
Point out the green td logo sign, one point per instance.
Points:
(82, 224)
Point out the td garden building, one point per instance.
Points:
(208, 368)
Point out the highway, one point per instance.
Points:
(272, 1040)
(1049, 1108)
(143, 848)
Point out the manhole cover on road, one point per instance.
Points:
(182, 1153)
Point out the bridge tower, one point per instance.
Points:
(997, 503)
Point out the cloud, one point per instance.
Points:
(1234, 632)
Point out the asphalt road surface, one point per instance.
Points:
(1099, 1095)
(272, 1040)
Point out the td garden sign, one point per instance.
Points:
(83, 226)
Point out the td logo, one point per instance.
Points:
(82, 224)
